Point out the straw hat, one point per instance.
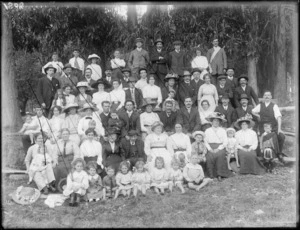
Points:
(25, 195)
(82, 84)
(93, 56)
(156, 124)
(216, 115)
(230, 129)
(88, 106)
(247, 118)
(50, 66)
(198, 133)
(70, 106)
(76, 160)
(171, 76)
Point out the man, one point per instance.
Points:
(77, 62)
(130, 118)
(158, 58)
(244, 89)
(143, 79)
(134, 94)
(138, 58)
(57, 64)
(217, 60)
(268, 112)
(88, 78)
(105, 115)
(232, 82)
(125, 79)
(226, 109)
(189, 117)
(47, 87)
(223, 88)
(68, 78)
(108, 77)
(133, 148)
(196, 82)
(244, 109)
(177, 60)
(168, 118)
(185, 89)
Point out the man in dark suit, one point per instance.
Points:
(185, 89)
(105, 115)
(196, 82)
(177, 60)
(125, 78)
(158, 58)
(134, 94)
(108, 77)
(130, 118)
(168, 118)
(189, 117)
(133, 148)
(244, 89)
(88, 78)
(227, 110)
(223, 88)
(232, 82)
(46, 88)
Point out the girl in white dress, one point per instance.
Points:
(176, 175)
(140, 179)
(28, 126)
(123, 180)
(208, 92)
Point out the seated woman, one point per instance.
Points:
(82, 97)
(200, 62)
(56, 124)
(100, 95)
(116, 96)
(247, 143)
(148, 117)
(153, 92)
(204, 113)
(179, 143)
(216, 139)
(114, 121)
(199, 148)
(71, 122)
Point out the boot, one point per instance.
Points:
(77, 199)
(72, 199)
(52, 186)
(45, 190)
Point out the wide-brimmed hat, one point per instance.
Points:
(132, 133)
(171, 76)
(93, 56)
(177, 42)
(25, 195)
(139, 40)
(82, 84)
(132, 78)
(158, 40)
(230, 129)
(186, 73)
(244, 96)
(243, 76)
(156, 124)
(221, 77)
(126, 70)
(148, 101)
(50, 66)
(216, 115)
(102, 81)
(198, 133)
(247, 118)
(68, 65)
(112, 130)
(88, 106)
(195, 70)
(70, 106)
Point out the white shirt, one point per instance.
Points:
(98, 98)
(58, 65)
(83, 125)
(117, 63)
(96, 71)
(44, 123)
(179, 140)
(230, 78)
(80, 63)
(112, 145)
(246, 137)
(117, 95)
(140, 84)
(70, 99)
(200, 62)
(148, 119)
(90, 149)
(276, 110)
(216, 135)
(152, 91)
(244, 87)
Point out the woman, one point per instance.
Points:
(216, 139)
(179, 143)
(208, 92)
(38, 177)
(205, 124)
(200, 62)
(71, 122)
(247, 143)
(56, 124)
(101, 95)
(96, 69)
(171, 84)
(147, 118)
(82, 97)
(156, 145)
(153, 92)
(65, 151)
(117, 95)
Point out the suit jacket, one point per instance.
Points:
(90, 91)
(169, 122)
(219, 62)
(104, 120)
(71, 81)
(138, 97)
(190, 121)
(250, 93)
(125, 145)
(46, 90)
(165, 93)
(132, 122)
(196, 87)
(177, 62)
(222, 91)
(125, 84)
(185, 90)
(232, 83)
(230, 115)
(159, 66)
(109, 157)
(138, 59)
(240, 112)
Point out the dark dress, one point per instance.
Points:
(110, 157)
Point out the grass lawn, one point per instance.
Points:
(230, 203)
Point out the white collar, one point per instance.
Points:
(222, 86)
(49, 77)
(139, 49)
(230, 77)
(267, 103)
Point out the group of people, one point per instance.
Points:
(148, 123)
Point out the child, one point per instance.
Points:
(171, 97)
(117, 64)
(109, 183)
(59, 99)
(193, 174)
(95, 183)
(182, 160)
(231, 148)
(198, 147)
(140, 179)
(269, 146)
(114, 121)
(176, 175)
(159, 177)
(27, 128)
(77, 182)
(123, 180)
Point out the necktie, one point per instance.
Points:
(132, 95)
(76, 63)
(111, 185)
(64, 154)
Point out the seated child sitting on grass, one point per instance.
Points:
(140, 179)
(95, 190)
(199, 148)
(193, 174)
(176, 175)
(231, 148)
(123, 180)
(109, 183)
(29, 128)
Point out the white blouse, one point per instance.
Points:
(148, 119)
(152, 91)
(90, 149)
(117, 95)
(56, 124)
(200, 62)
(140, 84)
(96, 71)
(71, 123)
(83, 125)
(179, 140)
(216, 135)
(98, 98)
(117, 63)
(246, 137)
(154, 140)
(70, 99)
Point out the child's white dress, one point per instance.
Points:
(159, 175)
(77, 182)
(124, 180)
(231, 146)
(141, 178)
(176, 176)
(30, 125)
(38, 164)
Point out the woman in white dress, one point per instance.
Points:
(71, 122)
(147, 118)
(208, 92)
(156, 145)
(101, 95)
(200, 62)
(96, 69)
(153, 92)
(56, 124)
(205, 113)
(179, 143)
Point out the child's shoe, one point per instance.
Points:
(72, 199)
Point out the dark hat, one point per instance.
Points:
(132, 133)
(196, 70)
(158, 40)
(215, 37)
(244, 96)
(126, 70)
(247, 119)
(76, 49)
(132, 78)
(50, 67)
(115, 79)
(108, 67)
(243, 76)
(225, 96)
(222, 76)
(171, 76)
(230, 68)
(112, 130)
(177, 42)
(106, 84)
(139, 40)
(148, 101)
(68, 65)
(140, 69)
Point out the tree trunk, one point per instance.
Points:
(131, 17)
(280, 92)
(252, 75)
(11, 118)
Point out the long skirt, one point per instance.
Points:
(249, 163)
(217, 163)
(43, 178)
(63, 168)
